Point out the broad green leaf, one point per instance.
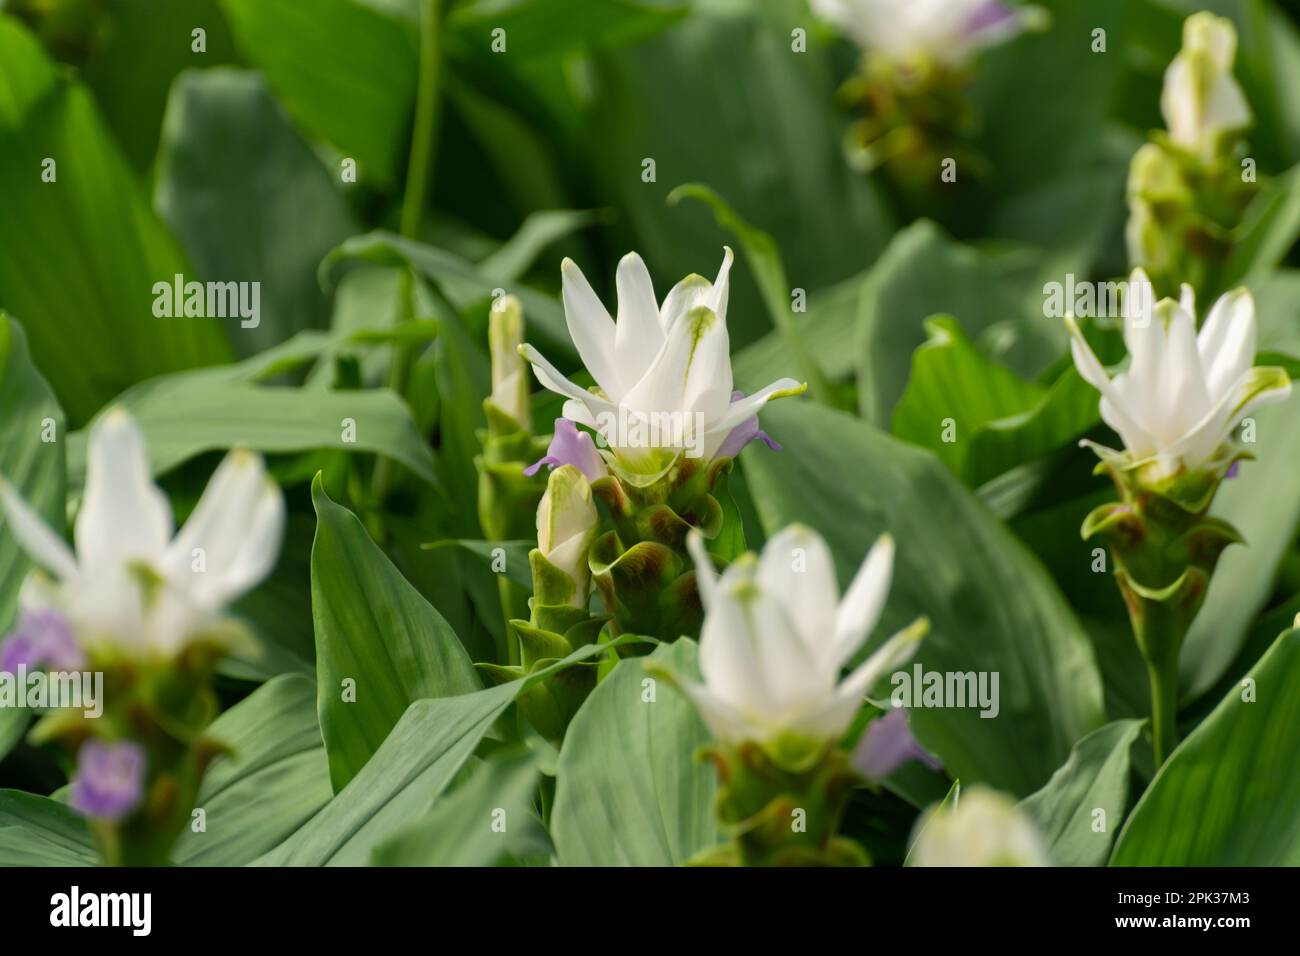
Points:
(535, 234)
(486, 820)
(1229, 795)
(249, 200)
(828, 329)
(186, 414)
(513, 553)
(630, 790)
(276, 779)
(924, 273)
(979, 418)
(992, 607)
(343, 70)
(1263, 503)
(373, 629)
(1095, 778)
(38, 831)
(417, 762)
(79, 256)
(1267, 233)
(34, 467)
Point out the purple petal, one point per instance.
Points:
(991, 15)
(1232, 470)
(887, 745)
(43, 638)
(110, 779)
(571, 447)
(744, 433)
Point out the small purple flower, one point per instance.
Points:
(743, 434)
(991, 14)
(571, 447)
(1233, 469)
(110, 779)
(887, 745)
(43, 638)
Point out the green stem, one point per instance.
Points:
(1164, 706)
(418, 178)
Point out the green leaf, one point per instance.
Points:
(924, 273)
(38, 831)
(1263, 503)
(979, 418)
(1096, 777)
(630, 790)
(417, 762)
(1229, 795)
(276, 779)
(515, 556)
(538, 231)
(991, 605)
(485, 820)
(1267, 232)
(186, 414)
(249, 200)
(374, 629)
(460, 280)
(35, 469)
(530, 31)
(343, 70)
(79, 256)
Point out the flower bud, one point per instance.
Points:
(1202, 101)
(566, 527)
(509, 371)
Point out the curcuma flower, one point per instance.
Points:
(663, 372)
(776, 636)
(131, 587)
(983, 828)
(509, 373)
(946, 31)
(1201, 100)
(1183, 393)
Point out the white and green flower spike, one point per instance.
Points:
(1201, 101)
(775, 640)
(981, 828)
(944, 31)
(663, 372)
(509, 371)
(130, 588)
(566, 527)
(1175, 407)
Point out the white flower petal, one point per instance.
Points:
(591, 329)
(41, 544)
(1227, 341)
(638, 335)
(124, 515)
(706, 575)
(797, 569)
(859, 611)
(723, 720)
(551, 379)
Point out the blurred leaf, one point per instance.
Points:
(374, 629)
(460, 280)
(991, 605)
(516, 556)
(629, 790)
(530, 25)
(921, 274)
(1267, 233)
(345, 71)
(1263, 503)
(464, 379)
(38, 831)
(187, 414)
(276, 779)
(1096, 777)
(249, 200)
(535, 234)
(1229, 795)
(487, 819)
(79, 256)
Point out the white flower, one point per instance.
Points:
(1182, 393)
(776, 636)
(983, 828)
(566, 526)
(668, 364)
(509, 373)
(1201, 100)
(948, 31)
(130, 586)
